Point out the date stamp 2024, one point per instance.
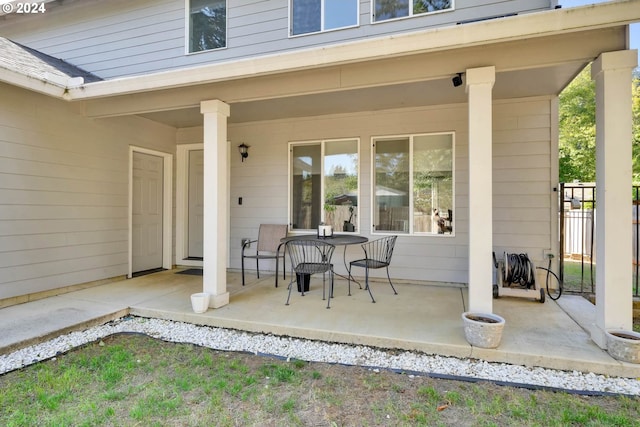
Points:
(23, 8)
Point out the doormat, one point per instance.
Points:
(191, 272)
(145, 272)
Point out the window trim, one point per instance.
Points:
(322, 30)
(321, 142)
(187, 30)
(411, 137)
(410, 16)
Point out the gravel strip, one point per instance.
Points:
(316, 351)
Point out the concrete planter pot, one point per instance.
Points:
(200, 302)
(483, 329)
(624, 345)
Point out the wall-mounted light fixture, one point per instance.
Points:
(244, 151)
(457, 80)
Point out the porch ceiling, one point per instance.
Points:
(539, 66)
(510, 84)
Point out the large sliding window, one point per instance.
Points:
(324, 184)
(414, 185)
(384, 10)
(207, 24)
(312, 16)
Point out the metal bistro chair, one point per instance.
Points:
(268, 247)
(310, 257)
(377, 254)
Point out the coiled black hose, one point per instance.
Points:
(518, 269)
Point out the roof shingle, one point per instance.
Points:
(24, 60)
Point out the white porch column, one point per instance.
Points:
(479, 87)
(216, 223)
(612, 74)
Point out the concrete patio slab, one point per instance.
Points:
(421, 317)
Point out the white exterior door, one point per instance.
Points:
(147, 206)
(196, 204)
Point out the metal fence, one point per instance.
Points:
(577, 262)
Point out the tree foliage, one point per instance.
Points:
(389, 9)
(577, 133)
(425, 6)
(577, 112)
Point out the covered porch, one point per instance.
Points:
(505, 122)
(613, 302)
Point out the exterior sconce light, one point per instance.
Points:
(244, 151)
(457, 80)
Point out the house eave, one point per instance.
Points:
(38, 84)
(522, 27)
(541, 24)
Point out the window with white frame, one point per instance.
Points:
(323, 184)
(414, 184)
(207, 27)
(312, 16)
(384, 10)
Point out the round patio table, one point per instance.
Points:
(336, 240)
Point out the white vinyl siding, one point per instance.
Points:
(522, 161)
(116, 39)
(64, 192)
(522, 178)
(63, 211)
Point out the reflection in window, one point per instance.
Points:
(341, 184)
(392, 9)
(207, 24)
(306, 191)
(414, 184)
(392, 184)
(311, 16)
(324, 185)
(433, 183)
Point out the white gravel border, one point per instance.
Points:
(316, 351)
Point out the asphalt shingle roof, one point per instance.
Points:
(24, 60)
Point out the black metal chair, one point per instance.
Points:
(377, 254)
(310, 257)
(268, 247)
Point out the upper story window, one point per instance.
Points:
(207, 24)
(384, 10)
(323, 185)
(312, 16)
(413, 182)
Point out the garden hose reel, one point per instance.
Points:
(516, 277)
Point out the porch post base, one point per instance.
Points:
(599, 337)
(217, 301)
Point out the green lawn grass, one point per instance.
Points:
(578, 277)
(134, 380)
